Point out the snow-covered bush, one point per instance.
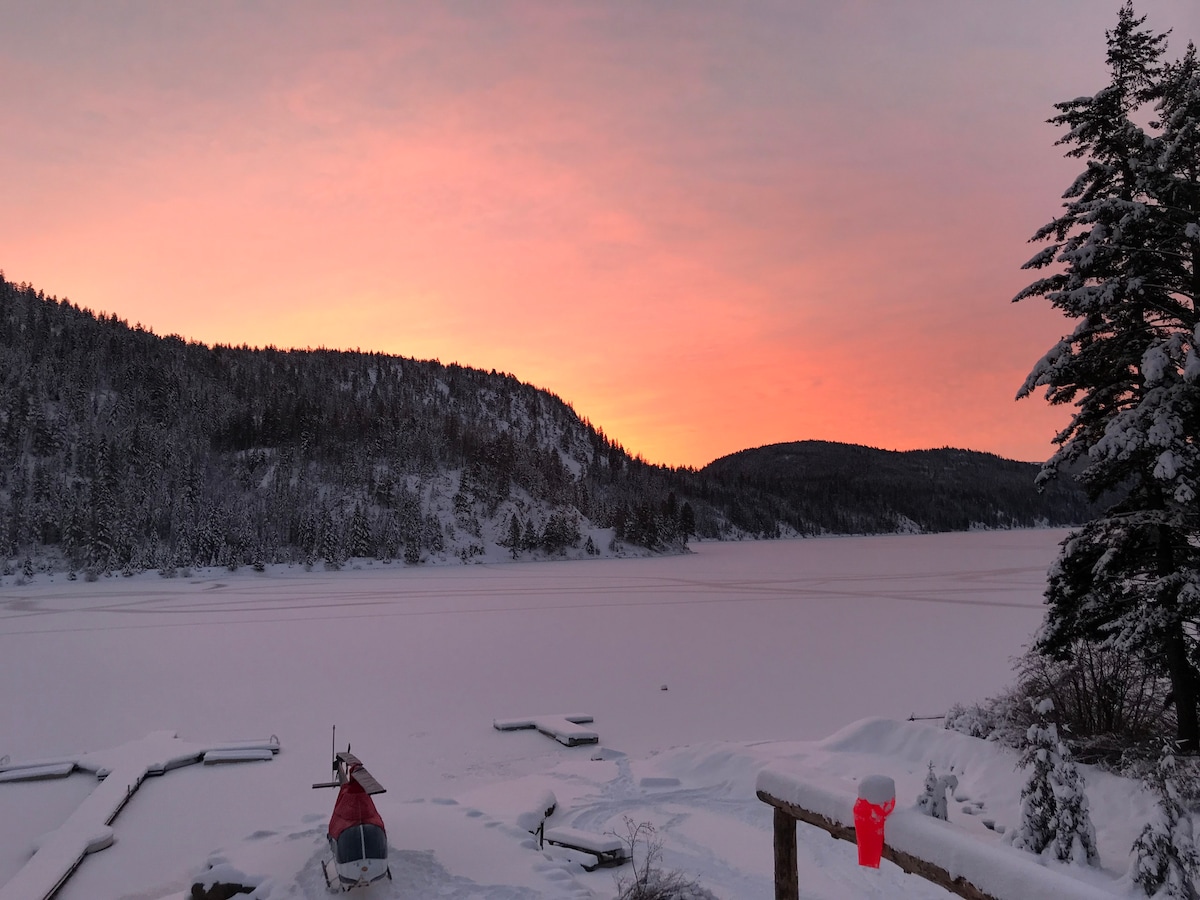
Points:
(925, 802)
(976, 720)
(1166, 863)
(650, 881)
(932, 800)
(1003, 718)
(1054, 808)
(660, 885)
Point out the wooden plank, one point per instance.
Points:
(7, 765)
(565, 731)
(38, 773)
(584, 840)
(512, 724)
(525, 722)
(367, 781)
(906, 861)
(213, 757)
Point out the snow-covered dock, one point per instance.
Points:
(121, 770)
(564, 729)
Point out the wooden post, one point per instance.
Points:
(787, 876)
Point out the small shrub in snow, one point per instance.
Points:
(1166, 863)
(932, 801)
(976, 720)
(649, 881)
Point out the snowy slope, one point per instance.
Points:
(766, 650)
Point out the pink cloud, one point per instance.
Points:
(708, 226)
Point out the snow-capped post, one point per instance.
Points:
(876, 800)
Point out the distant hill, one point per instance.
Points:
(121, 450)
(124, 450)
(823, 487)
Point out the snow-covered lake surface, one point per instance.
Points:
(764, 650)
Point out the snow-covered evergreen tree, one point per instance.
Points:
(1054, 807)
(1125, 254)
(514, 536)
(361, 544)
(1074, 834)
(1166, 863)
(1039, 824)
(928, 792)
(932, 801)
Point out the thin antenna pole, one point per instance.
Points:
(333, 747)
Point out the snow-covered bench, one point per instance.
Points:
(607, 849)
(540, 809)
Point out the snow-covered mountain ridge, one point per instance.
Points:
(121, 450)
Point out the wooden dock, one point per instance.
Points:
(121, 770)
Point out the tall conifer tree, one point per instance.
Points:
(1124, 255)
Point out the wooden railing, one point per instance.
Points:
(787, 877)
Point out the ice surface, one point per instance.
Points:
(761, 644)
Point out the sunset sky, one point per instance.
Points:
(706, 225)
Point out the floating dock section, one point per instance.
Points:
(121, 770)
(564, 729)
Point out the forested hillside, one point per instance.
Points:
(121, 450)
(817, 486)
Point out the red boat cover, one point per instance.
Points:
(354, 806)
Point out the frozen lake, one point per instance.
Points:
(770, 641)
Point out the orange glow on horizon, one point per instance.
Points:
(707, 230)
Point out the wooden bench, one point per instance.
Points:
(608, 850)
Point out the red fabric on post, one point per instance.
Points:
(868, 828)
